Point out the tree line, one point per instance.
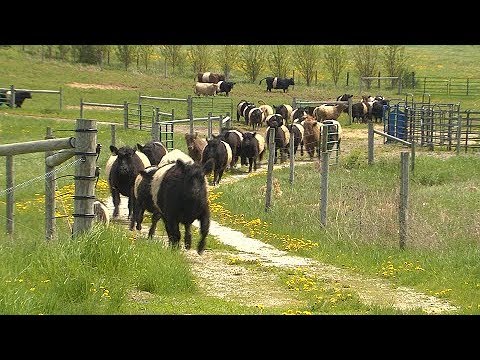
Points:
(251, 60)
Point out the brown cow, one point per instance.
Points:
(209, 77)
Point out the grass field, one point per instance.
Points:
(97, 274)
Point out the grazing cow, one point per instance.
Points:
(205, 89)
(253, 148)
(154, 150)
(298, 130)
(216, 157)
(233, 138)
(378, 108)
(285, 110)
(277, 83)
(224, 87)
(254, 117)
(311, 135)
(329, 112)
(20, 96)
(209, 77)
(195, 146)
(334, 133)
(282, 140)
(121, 171)
(241, 107)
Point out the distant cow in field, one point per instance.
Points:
(205, 89)
(224, 87)
(253, 148)
(277, 83)
(121, 171)
(20, 96)
(195, 146)
(217, 155)
(154, 150)
(209, 77)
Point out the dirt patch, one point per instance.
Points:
(101, 86)
(88, 107)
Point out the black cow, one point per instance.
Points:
(297, 130)
(121, 170)
(233, 138)
(277, 83)
(241, 107)
(224, 87)
(253, 147)
(378, 108)
(154, 150)
(216, 156)
(20, 96)
(282, 140)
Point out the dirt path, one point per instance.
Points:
(242, 275)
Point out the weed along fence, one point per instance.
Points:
(303, 103)
(84, 148)
(13, 90)
(431, 125)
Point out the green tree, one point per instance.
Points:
(394, 61)
(87, 54)
(279, 60)
(252, 60)
(63, 52)
(173, 54)
(306, 59)
(335, 60)
(146, 52)
(227, 58)
(365, 59)
(200, 57)
(126, 54)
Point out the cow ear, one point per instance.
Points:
(114, 149)
(139, 147)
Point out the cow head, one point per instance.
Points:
(291, 81)
(124, 157)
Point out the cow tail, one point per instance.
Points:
(261, 80)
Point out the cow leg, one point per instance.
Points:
(116, 201)
(139, 218)
(250, 164)
(155, 217)
(173, 232)
(188, 236)
(254, 160)
(220, 173)
(204, 228)
(131, 206)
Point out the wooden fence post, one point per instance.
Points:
(10, 194)
(50, 184)
(271, 159)
(85, 150)
(190, 112)
(61, 99)
(125, 115)
(113, 134)
(81, 107)
(459, 134)
(12, 96)
(350, 103)
(403, 209)
(324, 178)
(370, 142)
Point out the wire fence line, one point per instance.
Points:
(41, 177)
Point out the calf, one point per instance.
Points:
(205, 89)
(224, 87)
(154, 150)
(253, 147)
(195, 146)
(121, 171)
(277, 83)
(311, 135)
(209, 77)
